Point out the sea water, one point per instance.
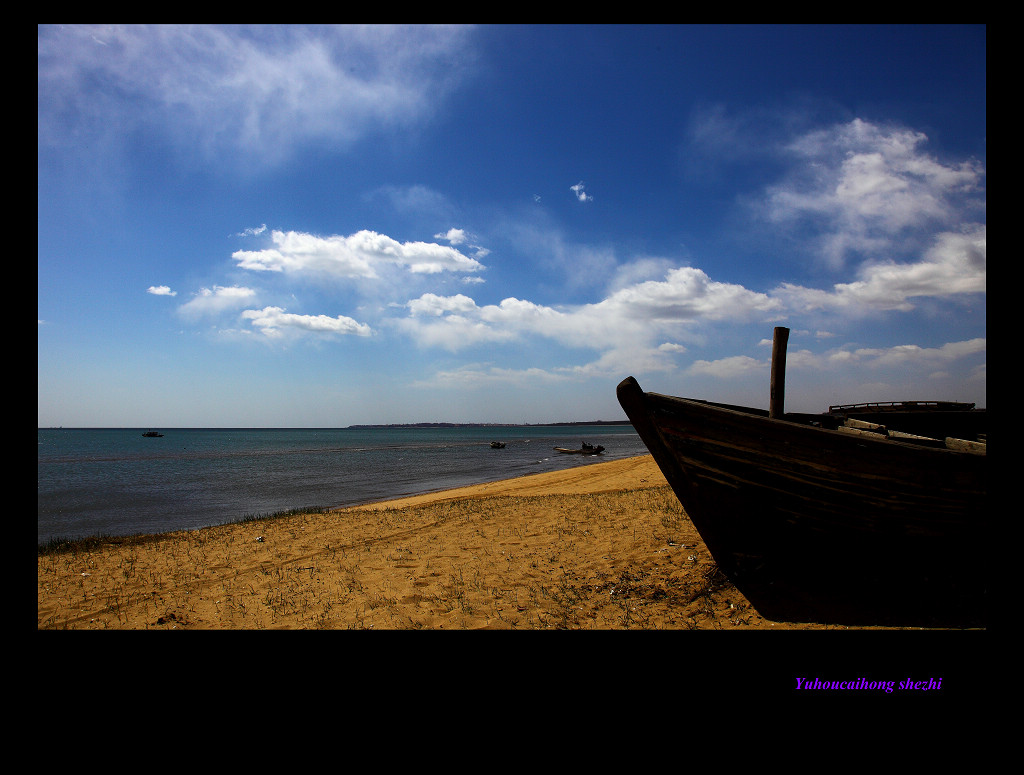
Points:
(115, 481)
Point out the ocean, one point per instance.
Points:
(115, 481)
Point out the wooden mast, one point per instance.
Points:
(777, 405)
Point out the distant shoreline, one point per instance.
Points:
(346, 427)
(487, 424)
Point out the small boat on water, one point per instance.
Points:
(152, 435)
(585, 449)
(497, 445)
(828, 518)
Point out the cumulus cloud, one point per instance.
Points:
(627, 320)
(454, 236)
(161, 290)
(869, 190)
(460, 237)
(903, 357)
(954, 264)
(456, 322)
(640, 270)
(688, 293)
(212, 301)
(365, 256)
(864, 188)
(358, 255)
(275, 323)
(727, 368)
(914, 354)
(631, 324)
(432, 304)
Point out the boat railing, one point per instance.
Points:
(902, 406)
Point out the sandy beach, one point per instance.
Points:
(605, 546)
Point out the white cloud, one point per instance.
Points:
(619, 360)
(460, 237)
(954, 264)
(580, 191)
(727, 368)
(479, 375)
(686, 294)
(256, 92)
(899, 357)
(358, 255)
(628, 320)
(640, 270)
(211, 301)
(454, 236)
(275, 322)
(582, 265)
(161, 290)
(865, 188)
(914, 354)
(456, 322)
(432, 304)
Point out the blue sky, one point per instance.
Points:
(321, 226)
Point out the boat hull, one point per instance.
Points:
(817, 525)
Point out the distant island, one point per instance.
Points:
(486, 424)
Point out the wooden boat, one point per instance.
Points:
(815, 524)
(152, 434)
(585, 449)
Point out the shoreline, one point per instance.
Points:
(601, 546)
(465, 490)
(113, 484)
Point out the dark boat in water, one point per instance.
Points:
(825, 518)
(152, 435)
(585, 449)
